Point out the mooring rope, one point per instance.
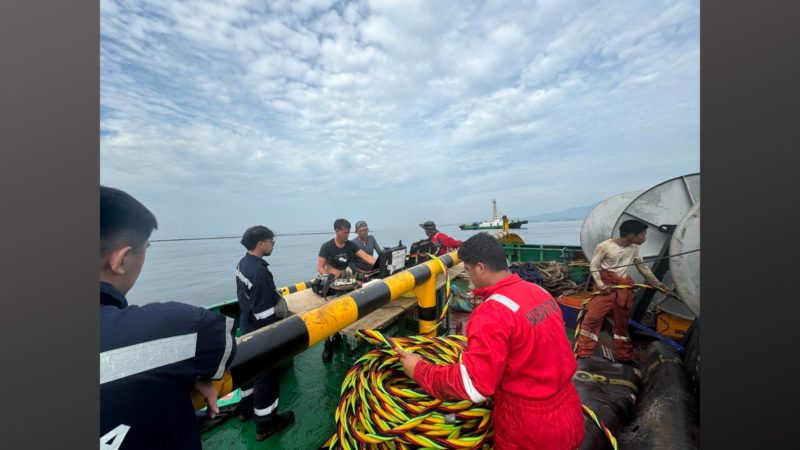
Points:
(599, 423)
(382, 408)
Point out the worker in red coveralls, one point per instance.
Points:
(610, 264)
(448, 244)
(517, 352)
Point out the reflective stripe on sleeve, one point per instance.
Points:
(473, 393)
(264, 314)
(228, 348)
(243, 279)
(126, 361)
(622, 338)
(246, 392)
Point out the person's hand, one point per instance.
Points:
(409, 360)
(605, 290)
(209, 392)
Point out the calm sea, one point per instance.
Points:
(200, 272)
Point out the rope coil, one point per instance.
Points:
(382, 408)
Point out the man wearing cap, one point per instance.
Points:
(448, 244)
(366, 242)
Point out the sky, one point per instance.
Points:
(219, 115)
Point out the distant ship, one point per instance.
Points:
(496, 222)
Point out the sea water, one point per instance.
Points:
(200, 272)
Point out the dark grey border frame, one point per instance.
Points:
(749, 113)
(49, 157)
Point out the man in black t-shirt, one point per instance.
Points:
(335, 255)
(333, 258)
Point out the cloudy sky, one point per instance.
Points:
(223, 114)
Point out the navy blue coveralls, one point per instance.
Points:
(150, 358)
(258, 296)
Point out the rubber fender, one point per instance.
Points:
(610, 390)
(666, 415)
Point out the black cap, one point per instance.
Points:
(428, 225)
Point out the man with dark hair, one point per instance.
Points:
(366, 242)
(437, 237)
(517, 352)
(151, 356)
(335, 255)
(609, 267)
(258, 297)
(333, 258)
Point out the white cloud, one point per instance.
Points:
(400, 108)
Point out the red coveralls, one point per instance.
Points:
(518, 352)
(619, 302)
(448, 244)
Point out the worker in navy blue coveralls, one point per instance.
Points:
(153, 356)
(258, 297)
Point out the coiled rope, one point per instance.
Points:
(382, 408)
(551, 275)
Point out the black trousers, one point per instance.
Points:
(261, 397)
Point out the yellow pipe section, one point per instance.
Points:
(426, 293)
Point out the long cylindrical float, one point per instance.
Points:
(263, 349)
(286, 290)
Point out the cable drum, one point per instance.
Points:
(685, 267)
(599, 223)
(381, 408)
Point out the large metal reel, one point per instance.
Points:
(599, 224)
(685, 268)
(666, 203)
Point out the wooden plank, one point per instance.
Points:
(302, 301)
(382, 316)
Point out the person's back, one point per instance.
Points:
(540, 362)
(517, 353)
(152, 357)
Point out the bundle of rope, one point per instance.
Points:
(380, 407)
(551, 275)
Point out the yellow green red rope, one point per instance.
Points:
(382, 408)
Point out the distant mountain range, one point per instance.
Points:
(576, 213)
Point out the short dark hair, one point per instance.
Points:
(631, 226)
(338, 224)
(123, 220)
(486, 249)
(253, 235)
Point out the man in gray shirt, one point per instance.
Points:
(366, 242)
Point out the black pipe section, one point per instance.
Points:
(268, 347)
(666, 415)
(609, 389)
